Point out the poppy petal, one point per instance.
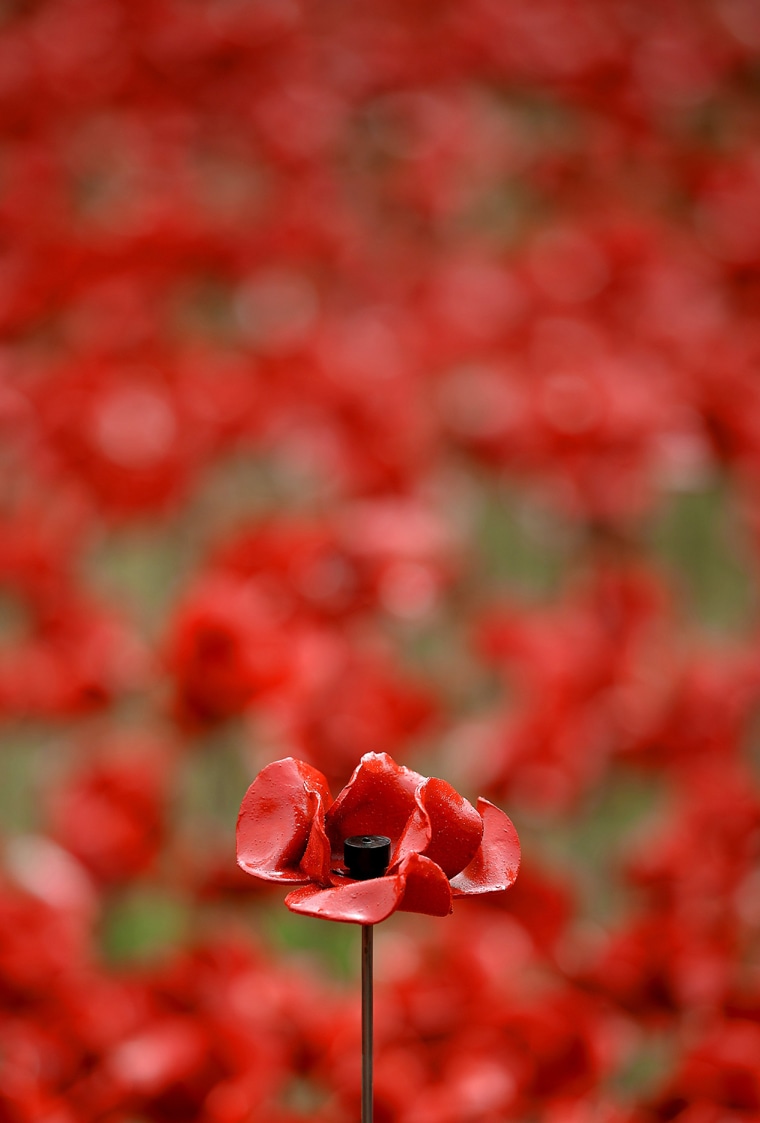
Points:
(416, 834)
(378, 799)
(316, 863)
(276, 819)
(418, 886)
(497, 861)
(456, 827)
(354, 902)
(426, 887)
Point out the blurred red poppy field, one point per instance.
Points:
(380, 378)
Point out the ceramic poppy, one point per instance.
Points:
(441, 847)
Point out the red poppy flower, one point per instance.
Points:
(290, 829)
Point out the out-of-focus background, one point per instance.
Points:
(380, 377)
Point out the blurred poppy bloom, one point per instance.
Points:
(441, 847)
(224, 649)
(110, 811)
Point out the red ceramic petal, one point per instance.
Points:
(456, 827)
(416, 834)
(276, 818)
(354, 902)
(496, 863)
(426, 888)
(378, 799)
(316, 863)
(418, 886)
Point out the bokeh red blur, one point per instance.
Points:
(380, 377)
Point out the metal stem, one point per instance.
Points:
(367, 1020)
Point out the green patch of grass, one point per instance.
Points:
(521, 548)
(23, 752)
(646, 1068)
(142, 924)
(590, 842)
(214, 780)
(337, 947)
(698, 539)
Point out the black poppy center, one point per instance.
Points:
(366, 855)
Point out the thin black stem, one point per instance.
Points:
(367, 1020)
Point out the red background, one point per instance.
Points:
(380, 377)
